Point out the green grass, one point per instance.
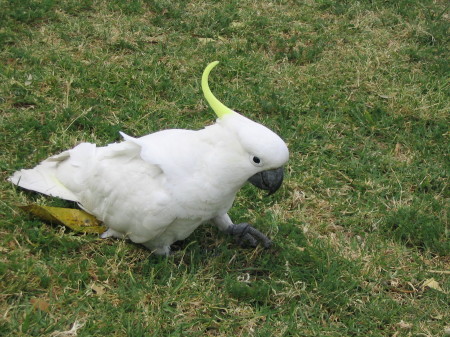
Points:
(358, 89)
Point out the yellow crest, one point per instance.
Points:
(219, 108)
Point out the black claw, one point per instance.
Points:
(247, 240)
(245, 234)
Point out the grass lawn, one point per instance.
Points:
(358, 89)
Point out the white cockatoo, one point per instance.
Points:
(157, 189)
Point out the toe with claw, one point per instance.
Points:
(246, 234)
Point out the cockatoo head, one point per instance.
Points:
(266, 151)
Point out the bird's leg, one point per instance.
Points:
(163, 251)
(244, 233)
(111, 233)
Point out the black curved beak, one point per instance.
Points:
(269, 180)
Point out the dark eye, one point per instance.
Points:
(256, 160)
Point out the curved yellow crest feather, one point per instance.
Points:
(219, 108)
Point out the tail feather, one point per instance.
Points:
(67, 175)
(43, 179)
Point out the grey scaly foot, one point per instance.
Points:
(245, 234)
